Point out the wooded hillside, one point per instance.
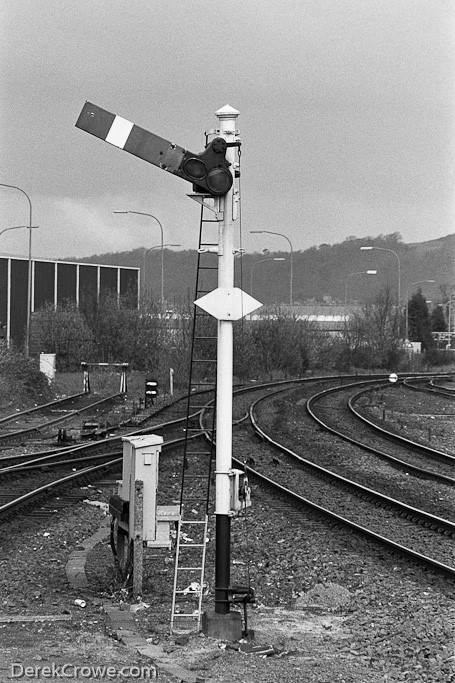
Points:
(321, 273)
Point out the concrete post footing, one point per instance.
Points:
(222, 626)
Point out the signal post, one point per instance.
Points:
(212, 174)
(227, 303)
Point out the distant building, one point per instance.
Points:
(55, 282)
(331, 318)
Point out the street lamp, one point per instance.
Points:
(158, 246)
(399, 269)
(141, 213)
(362, 272)
(255, 263)
(17, 227)
(419, 282)
(29, 284)
(269, 232)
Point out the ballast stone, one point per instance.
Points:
(324, 596)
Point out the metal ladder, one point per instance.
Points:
(198, 455)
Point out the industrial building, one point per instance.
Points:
(53, 283)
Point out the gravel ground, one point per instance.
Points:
(330, 607)
(422, 417)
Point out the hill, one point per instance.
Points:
(324, 273)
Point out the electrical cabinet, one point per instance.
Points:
(240, 490)
(141, 464)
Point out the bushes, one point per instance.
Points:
(20, 379)
(65, 332)
(439, 358)
(111, 333)
(279, 345)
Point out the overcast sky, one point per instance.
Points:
(346, 118)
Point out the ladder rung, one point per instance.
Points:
(189, 569)
(194, 616)
(192, 521)
(191, 545)
(193, 501)
(198, 452)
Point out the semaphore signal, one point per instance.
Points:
(208, 171)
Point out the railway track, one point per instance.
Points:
(41, 420)
(427, 537)
(162, 421)
(340, 411)
(438, 385)
(26, 479)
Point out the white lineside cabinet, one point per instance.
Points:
(141, 455)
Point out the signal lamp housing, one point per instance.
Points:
(208, 171)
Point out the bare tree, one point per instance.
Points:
(372, 336)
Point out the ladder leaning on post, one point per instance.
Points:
(198, 455)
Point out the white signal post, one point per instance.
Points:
(227, 117)
(227, 303)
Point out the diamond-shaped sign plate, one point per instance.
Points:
(228, 303)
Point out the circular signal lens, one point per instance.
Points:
(195, 168)
(219, 181)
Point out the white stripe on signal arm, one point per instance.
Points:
(119, 132)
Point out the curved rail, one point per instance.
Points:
(426, 450)
(426, 518)
(389, 435)
(429, 385)
(429, 519)
(296, 498)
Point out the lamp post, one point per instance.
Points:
(269, 232)
(419, 282)
(29, 283)
(255, 263)
(399, 269)
(17, 227)
(158, 246)
(362, 272)
(449, 323)
(141, 213)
